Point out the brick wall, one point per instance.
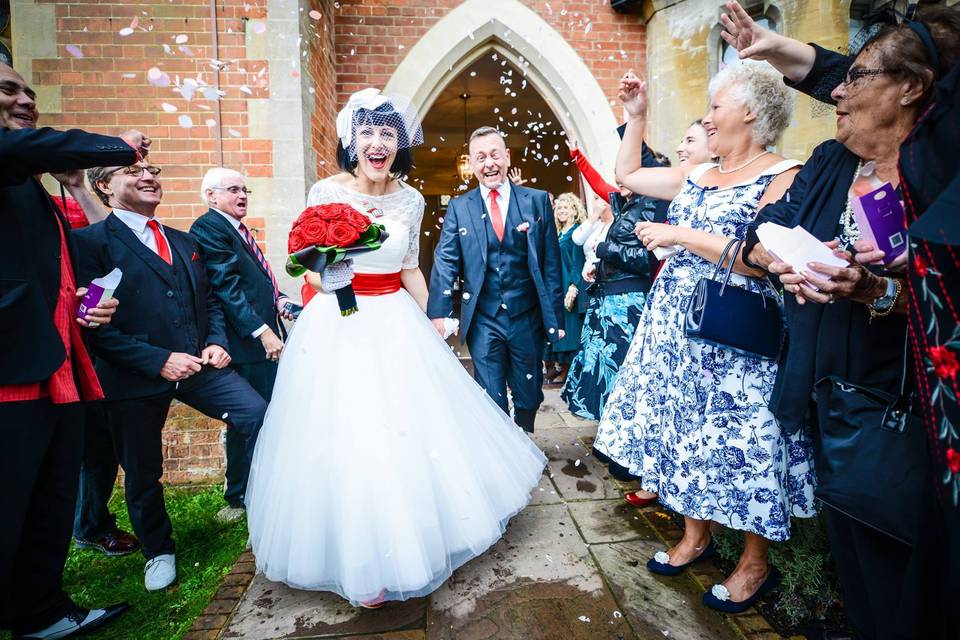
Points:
(108, 90)
(322, 73)
(372, 37)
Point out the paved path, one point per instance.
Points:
(570, 567)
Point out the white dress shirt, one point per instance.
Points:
(236, 225)
(503, 199)
(138, 224)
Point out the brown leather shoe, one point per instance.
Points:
(114, 544)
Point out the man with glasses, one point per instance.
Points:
(246, 287)
(169, 341)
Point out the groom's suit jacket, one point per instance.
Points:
(463, 251)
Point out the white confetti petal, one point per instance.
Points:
(244, 88)
(185, 121)
(258, 27)
(316, 15)
(166, 106)
(583, 619)
(126, 31)
(181, 39)
(234, 133)
(224, 416)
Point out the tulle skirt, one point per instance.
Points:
(381, 466)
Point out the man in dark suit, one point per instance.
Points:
(500, 239)
(45, 372)
(168, 342)
(244, 283)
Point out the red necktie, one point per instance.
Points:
(496, 218)
(163, 249)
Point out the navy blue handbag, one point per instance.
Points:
(730, 317)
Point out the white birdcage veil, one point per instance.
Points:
(370, 106)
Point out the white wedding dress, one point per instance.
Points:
(381, 466)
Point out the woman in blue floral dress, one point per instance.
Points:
(691, 419)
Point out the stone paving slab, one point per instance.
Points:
(273, 610)
(577, 474)
(657, 607)
(539, 581)
(605, 521)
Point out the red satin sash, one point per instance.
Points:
(376, 284)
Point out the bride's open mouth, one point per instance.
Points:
(376, 160)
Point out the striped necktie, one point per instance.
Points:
(255, 250)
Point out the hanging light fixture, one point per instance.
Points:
(464, 168)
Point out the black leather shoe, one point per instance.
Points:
(76, 622)
(115, 544)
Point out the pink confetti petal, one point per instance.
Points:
(74, 50)
(157, 77)
(258, 27)
(316, 15)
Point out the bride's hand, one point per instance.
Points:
(438, 325)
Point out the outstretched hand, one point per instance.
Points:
(742, 33)
(633, 94)
(516, 176)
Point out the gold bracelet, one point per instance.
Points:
(896, 295)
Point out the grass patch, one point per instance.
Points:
(206, 551)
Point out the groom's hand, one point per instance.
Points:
(438, 325)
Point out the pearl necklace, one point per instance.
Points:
(851, 230)
(722, 170)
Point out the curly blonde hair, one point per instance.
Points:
(761, 88)
(572, 199)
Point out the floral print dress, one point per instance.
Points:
(690, 419)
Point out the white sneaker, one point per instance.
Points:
(160, 572)
(230, 514)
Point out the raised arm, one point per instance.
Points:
(600, 186)
(28, 152)
(792, 58)
(661, 183)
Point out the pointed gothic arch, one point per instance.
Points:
(552, 67)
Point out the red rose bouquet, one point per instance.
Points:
(329, 233)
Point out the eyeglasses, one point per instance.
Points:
(234, 190)
(854, 75)
(135, 171)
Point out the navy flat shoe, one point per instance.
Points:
(663, 567)
(718, 597)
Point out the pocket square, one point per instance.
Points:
(194, 257)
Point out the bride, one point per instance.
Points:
(381, 466)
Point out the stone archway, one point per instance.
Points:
(553, 68)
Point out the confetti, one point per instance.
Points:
(166, 106)
(258, 27)
(245, 89)
(234, 133)
(157, 77)
(185, 121)
(577, 463)
(74, 50)
(211, 122)
(316, 15)
(126, 31)
(181, 39)
(224, 416)
(617, 614)
(583, 619)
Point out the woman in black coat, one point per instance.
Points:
(894, 102)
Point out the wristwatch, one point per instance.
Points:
(884, 302)
(883, 305)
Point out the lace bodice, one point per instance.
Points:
(401, 212)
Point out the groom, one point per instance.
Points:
(504, 237)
